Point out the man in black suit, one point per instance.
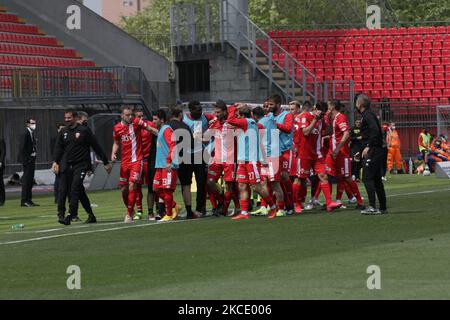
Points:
(2, 169)
(27, 157)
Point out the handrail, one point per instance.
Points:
(292, 65)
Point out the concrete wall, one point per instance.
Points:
(97, 39)
(229, 80)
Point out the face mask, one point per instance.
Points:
(393, 127)
(33, 127)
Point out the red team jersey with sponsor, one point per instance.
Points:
(129, 135)
(316, 141)
(146, 137)
(297, 132)
(305, 150)
(340, 125)
(224, 142)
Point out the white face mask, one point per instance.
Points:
(33, 127)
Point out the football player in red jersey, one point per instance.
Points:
(127, 136)
(146, 137)
(310, 155)
(338, 162)
(223, 161)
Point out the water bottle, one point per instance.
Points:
(17, 226)
(410, 166)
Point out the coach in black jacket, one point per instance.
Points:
(372, 156)
(27, 157)
(72, 161)
(2, 169)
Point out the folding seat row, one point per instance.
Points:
(37, 50)
(18, 28)
(43, 62)
(27, 39)
(8, 17)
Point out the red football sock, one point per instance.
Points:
(287, 189)
(269, 201)
(303, 192)
(348, 190)
(244, 205)
(326, 192)
(125, 198)
(296, 193)
(340, 189)
(139, 197)
(318, 191)
(280, 205)
(227, 201)
(132, 194)
(355, 191)
(168, 201)
(263, 203)
(212, 199)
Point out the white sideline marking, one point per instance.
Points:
(414, 193)
(153, 224)
(91, 231)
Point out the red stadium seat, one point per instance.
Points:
(408, 85)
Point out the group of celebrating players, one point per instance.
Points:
(270, 150)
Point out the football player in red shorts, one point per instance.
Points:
(310, 156)
(248, 149)
(271, 157)
(285, 123)
(338, 162)
(127, 136)
(146, 137)
(223, 161)
(165, 180)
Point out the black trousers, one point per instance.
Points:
(384, 167)
(373, 168)
(71, 185)
(2, 187)
(27, 181)
(56, 188)
(185, 175)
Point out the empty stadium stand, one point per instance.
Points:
(408, 64)
(24, 45)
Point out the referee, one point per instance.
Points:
(72, 161)
(372, 156)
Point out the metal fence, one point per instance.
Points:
(410, 119)
(45, 83)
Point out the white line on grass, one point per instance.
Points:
(414, 193)
(154, 224)
(91, 231)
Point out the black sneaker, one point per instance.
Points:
(384, 211)
(360, 207)
(158, 217)
(26, 204)
(74, 219)
(34, 204)
(216, 213)
(65, 221)
(371, 211)
(91, 219)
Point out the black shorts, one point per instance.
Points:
(185, 174)
(186, 171)
(151, 175)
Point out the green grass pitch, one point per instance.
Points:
(312, 256)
